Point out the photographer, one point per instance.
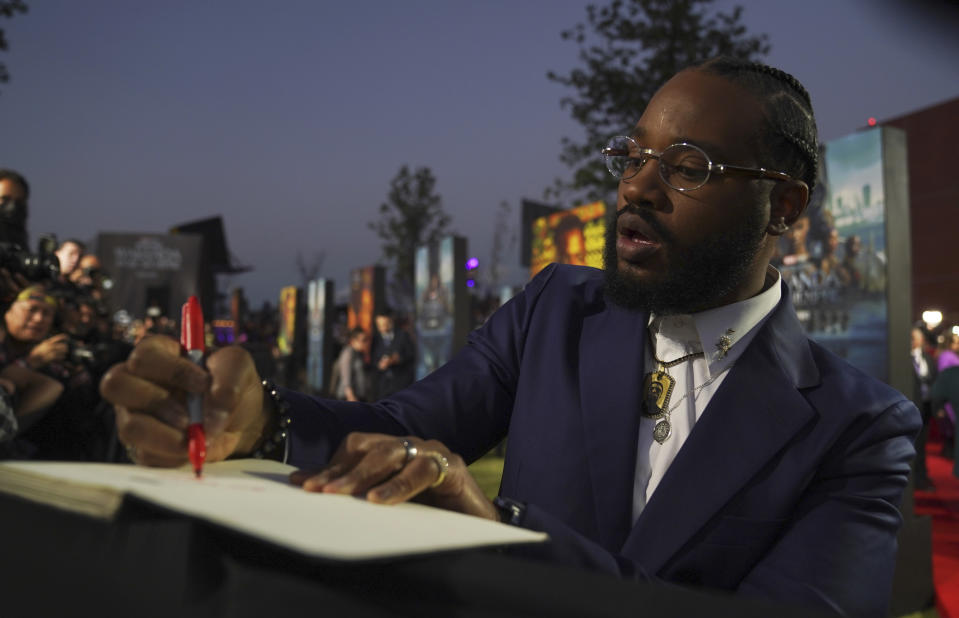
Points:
(25, 397)
(80, 425)
(14, 193)
(28, 322)
(90, 343)
(69, 254)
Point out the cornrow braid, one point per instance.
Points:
(789, 138)
(781, 76)
(811, 152)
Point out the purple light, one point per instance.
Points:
(472, 263)
(470, 283)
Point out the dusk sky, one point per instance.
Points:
(290, 118)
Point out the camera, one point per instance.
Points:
(42, 266)
(96, 357)
(80, 353)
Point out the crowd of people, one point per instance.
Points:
(935, 362)
(371, 368)
(56, 342)
(58, 339)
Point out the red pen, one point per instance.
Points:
(191, 339)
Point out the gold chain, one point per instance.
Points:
(664, 365)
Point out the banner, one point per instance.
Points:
(319, 304)
(441, 302)
(286, 333)
(574, 236)
(834, 258)
(367, 297)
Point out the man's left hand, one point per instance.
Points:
(379, 467)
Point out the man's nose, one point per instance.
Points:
(645, 188)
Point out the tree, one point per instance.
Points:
(413, 215)
(8, 8)
(632, 48)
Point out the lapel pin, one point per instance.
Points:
(725, 342)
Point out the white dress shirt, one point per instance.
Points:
(697, 380)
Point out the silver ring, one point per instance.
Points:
(411, 450)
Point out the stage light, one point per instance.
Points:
(472, 263)
(871, 121)
(470, 283)
(955, 330)
(932, 318)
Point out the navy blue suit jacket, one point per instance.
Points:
(787, 487)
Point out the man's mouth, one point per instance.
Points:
(635, 241)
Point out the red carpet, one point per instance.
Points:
(943, 506)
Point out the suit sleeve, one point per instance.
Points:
(839, 547)
(567, 546)
(466, 404)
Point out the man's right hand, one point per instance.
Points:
(149, 393)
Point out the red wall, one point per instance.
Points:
(932, 137)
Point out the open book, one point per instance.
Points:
(254, 497)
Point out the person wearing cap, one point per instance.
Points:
(28, 322)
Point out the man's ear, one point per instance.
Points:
(787, 201)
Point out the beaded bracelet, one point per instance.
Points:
(277, 428)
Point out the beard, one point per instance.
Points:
(697, 278)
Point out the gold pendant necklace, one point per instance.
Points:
(657, 389)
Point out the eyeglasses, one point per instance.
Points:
(682, 166)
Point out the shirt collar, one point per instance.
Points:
(722, 333)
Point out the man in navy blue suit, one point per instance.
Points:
(667, 417)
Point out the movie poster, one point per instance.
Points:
(367, 291)
(286, 335)
(573, 236)
(834, 257)
(440, 280)
(319, 296)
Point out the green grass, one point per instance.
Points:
(488, 470)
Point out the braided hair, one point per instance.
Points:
(788, 136)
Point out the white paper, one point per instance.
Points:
(255, 497)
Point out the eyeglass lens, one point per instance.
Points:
(681, 166)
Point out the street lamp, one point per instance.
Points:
(932, 318)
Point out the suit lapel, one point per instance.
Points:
(611, 361)
(755, 413)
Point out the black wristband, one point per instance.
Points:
(274, 443)
(511, 511)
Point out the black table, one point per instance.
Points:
(150, 562)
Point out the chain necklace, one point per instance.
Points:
(657, 389)
(697, 390)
